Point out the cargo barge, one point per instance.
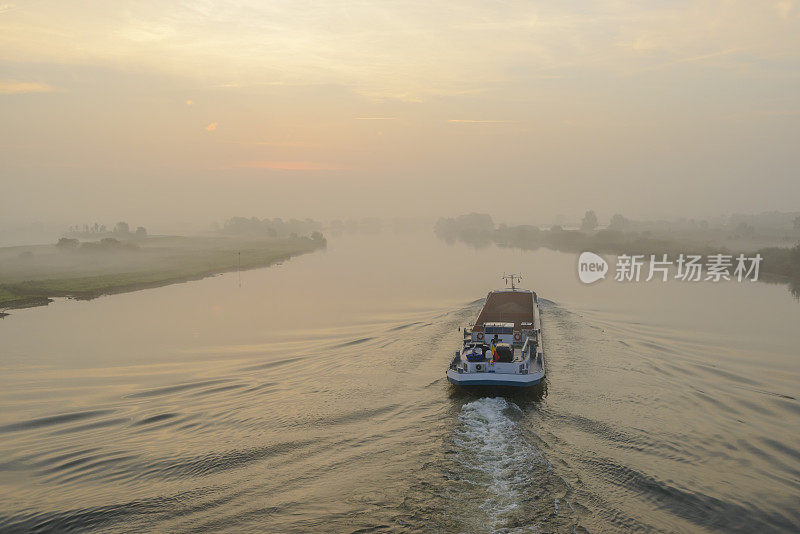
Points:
(504, 345)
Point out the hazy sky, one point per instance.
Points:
(161, 112)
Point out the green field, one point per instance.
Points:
(31, 275)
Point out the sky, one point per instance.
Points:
(164, 113)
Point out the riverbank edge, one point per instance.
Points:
(32, 301)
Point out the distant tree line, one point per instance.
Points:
(121, 229)
(479, 230)
(771, 224)
(769, 220)
(474, 228)
(88, 229)
(277, 227)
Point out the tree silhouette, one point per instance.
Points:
(618, 222)
(589, 221)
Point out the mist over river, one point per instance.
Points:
(313, 398)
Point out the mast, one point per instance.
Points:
(512, 279)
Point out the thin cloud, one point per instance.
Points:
(290, 166)
(279, 144)
(376, 118)
(706, 56)
(692, 59)
(13, 87)
(474, 121)
(240, 85)
(211, 127)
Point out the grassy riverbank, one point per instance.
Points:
(32, 275)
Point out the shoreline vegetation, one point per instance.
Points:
(780, 264)
(33, 275)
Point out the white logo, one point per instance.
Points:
(591, 267)
(690, 267)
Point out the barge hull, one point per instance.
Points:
(501, 380)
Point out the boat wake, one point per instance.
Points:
(494, 456)
(511, 483)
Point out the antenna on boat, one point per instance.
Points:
(512, 278)
(239, 267)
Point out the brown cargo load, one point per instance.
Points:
(507, 307)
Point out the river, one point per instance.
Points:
(312, 397)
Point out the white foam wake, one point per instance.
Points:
(494, 457)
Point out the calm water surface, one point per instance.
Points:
(313, 398)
